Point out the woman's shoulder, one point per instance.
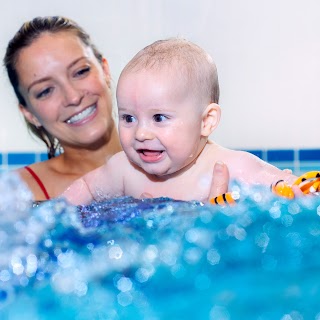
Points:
(35, 178)
(27, 172)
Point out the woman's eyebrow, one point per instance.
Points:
(48, 78)
(36, 82)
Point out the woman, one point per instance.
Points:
(62, 83)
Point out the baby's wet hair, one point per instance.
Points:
(185, 58)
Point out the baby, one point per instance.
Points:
(168, 106)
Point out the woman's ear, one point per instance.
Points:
(29, 116)
(106, 71)
(210, 119)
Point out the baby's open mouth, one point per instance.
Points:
(151, 153)
(151, 156)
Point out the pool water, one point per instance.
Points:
(159, 258)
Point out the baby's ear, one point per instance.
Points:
(29, 116)
(210, 119)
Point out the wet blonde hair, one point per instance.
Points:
(26, 35)
(191, 61)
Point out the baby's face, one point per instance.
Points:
(159, 121)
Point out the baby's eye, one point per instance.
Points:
(82, 71)
(128, 118)
(159, 117)
(44, 93)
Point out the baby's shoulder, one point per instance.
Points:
(117, 159)
(223, 154)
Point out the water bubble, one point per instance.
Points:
(17, 267)
(219, 312)
(81, 288)
(48, 243)
(32, 264)
(66, 259)
(124, 298)
(294, 208)
(275, 212)
(124, 284)
(5, 275)
(206, 216)
(192, 235)
(115, 252)
(30, 238)
(262, 240)
(23, 281)
(168, 256)
(192, 255)
(213, 257)
(178, 271)
(143, 274)
(150, 253)
(287, 220)
(90, 246)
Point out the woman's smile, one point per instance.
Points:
(82, 116)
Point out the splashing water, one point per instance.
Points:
(158, 258)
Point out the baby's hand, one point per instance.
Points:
(146, 195)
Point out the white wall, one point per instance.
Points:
(267, 53)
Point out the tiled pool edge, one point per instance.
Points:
(13, 160)
(298, 160)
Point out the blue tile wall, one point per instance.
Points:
(280, 155)
(15, 159)
(309, 155)
(43, 156)
(299, 161)
(258, 153)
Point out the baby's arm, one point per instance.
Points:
(99, 184)
(250, 169)
(78, 193)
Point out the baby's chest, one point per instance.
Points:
(181, 188)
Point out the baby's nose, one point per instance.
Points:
(143, 132)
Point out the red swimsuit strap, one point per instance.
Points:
(39, 182)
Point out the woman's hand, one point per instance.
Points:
(220, 180)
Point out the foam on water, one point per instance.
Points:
(158, 258)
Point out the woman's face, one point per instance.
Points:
(66, 89)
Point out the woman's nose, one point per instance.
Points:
(72, 95)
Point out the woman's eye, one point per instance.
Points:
(128, 118)
(83, 71)
(43, 93)
(159, 117)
